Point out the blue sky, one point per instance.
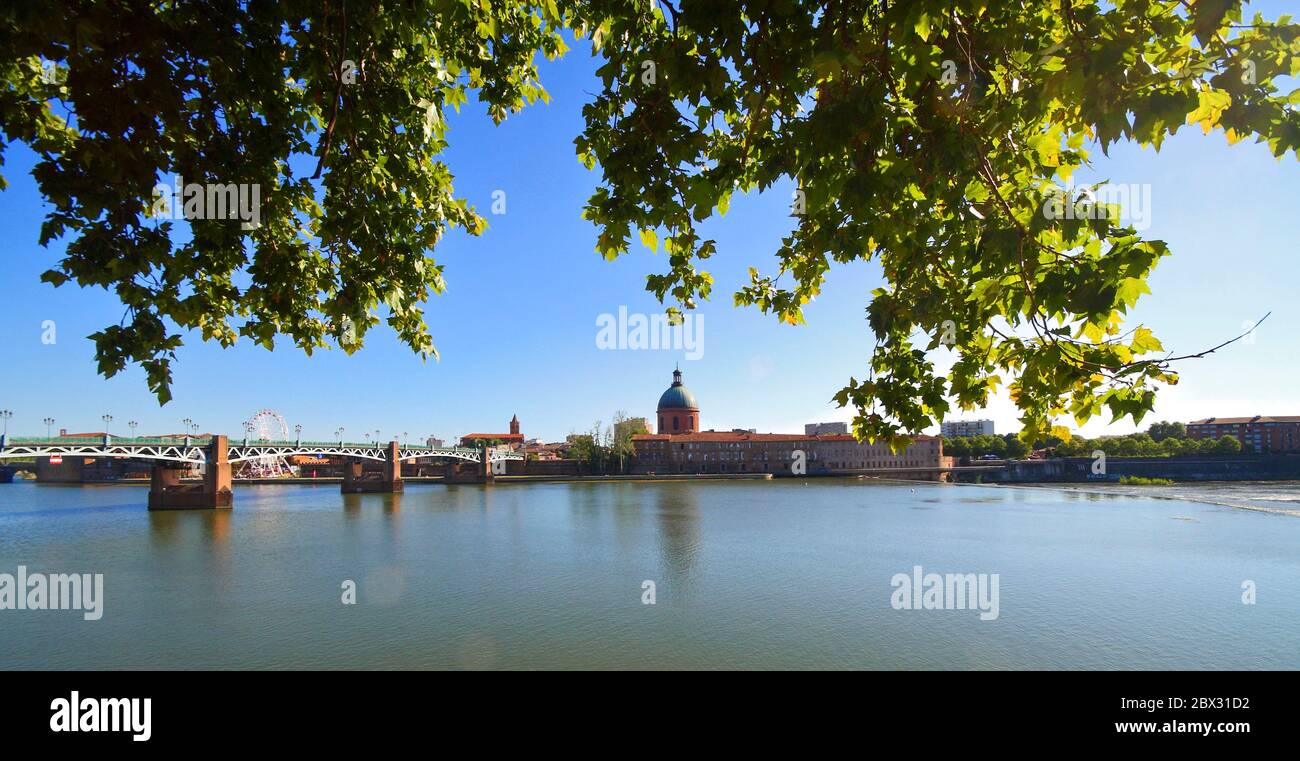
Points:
(517, 327)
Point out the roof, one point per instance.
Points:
(306, 459)
(723, 436)
(677, 397)
(502, 436)
(1244, 420)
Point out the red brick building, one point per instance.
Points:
(745, 452)
(1261, 433)
(514, 439)
(680, 447)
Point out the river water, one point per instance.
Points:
(782, 574)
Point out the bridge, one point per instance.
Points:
(217, 455)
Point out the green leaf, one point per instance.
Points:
(923, 26)
(649, 239)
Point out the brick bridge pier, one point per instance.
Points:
(387, 481)
(166, 492)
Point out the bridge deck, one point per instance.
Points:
(194, 449)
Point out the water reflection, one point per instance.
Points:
(351, 506)
(629, 503)
(195, 545)
(172, 527)
(216, 529)
(588, 511)
(679, 527)
(390, 504)
(770, 575)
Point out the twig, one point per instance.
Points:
(338, 96)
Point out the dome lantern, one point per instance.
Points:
(678, 411)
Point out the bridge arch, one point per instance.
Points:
(190, 454)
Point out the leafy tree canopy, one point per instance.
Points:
(1146, 445)
(935, 137)
(335, 111)
(1166, 430)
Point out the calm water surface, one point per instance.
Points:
(781, 574)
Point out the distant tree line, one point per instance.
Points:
(1146, 445)
(604, 450)
(1163, 439)
(1008, 446)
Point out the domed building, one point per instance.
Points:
(679, 446)
(678, 412)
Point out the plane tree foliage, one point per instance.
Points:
(937, 138)
(337, 111)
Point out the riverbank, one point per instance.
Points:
(1274, 497)
(525, 479)
(639, 478)
(1083, 470)
(1258, 496)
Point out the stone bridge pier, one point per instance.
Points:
(479, 472)
(387, 481)
(167, 492)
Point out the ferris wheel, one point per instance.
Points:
(267, 425)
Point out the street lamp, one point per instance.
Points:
(339, 435)
(404, 436)
(132, 424)
(187, 423)
(49, 422)
(107, 419)
(297, 430)
(5, 415)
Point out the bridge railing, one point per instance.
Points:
(143, 441)
(304, 444)
(295, 443)
(203, 441)
(435, 450)
(336, 444)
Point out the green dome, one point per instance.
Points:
(677, 397)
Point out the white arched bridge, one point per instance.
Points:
(171, 454)
(194, 449)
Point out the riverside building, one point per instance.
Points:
(679, 447)
(1264, 434)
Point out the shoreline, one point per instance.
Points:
(336, 480)
(1057, 487)
(1052, 486)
